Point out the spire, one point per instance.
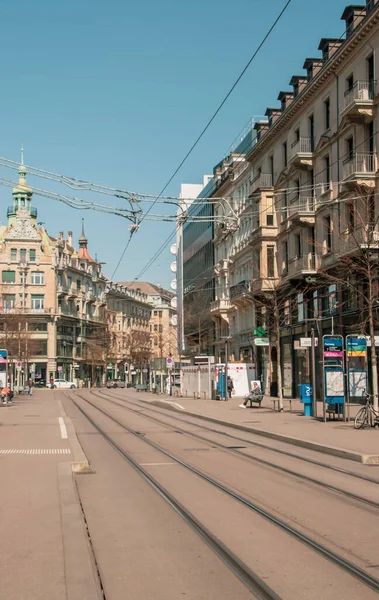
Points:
(22, 154)
(83, 240)
(22, 170)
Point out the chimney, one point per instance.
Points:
(285, 98)
(273, 115)
(261, 127)
(60, 236)
(328, 47)
(353, 16)
(313, 66)
(298, 83)
(69, 238)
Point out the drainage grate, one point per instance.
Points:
(36, 451)
(235, 447)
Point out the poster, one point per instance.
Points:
(334, 384)
(357, 384)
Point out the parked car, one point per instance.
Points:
(40, 383)
(119, 383)
(63, 384)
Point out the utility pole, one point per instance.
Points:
(226, 369)
(313, 360)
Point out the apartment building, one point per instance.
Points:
(54, 318)
(129, 320)
(163, 328)
(311, 202)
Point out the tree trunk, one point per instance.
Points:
(280, 380)
(374, 364)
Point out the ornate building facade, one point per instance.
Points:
(60, 316)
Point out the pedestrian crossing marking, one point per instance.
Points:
(30, 451)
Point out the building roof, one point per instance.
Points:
(147, 288)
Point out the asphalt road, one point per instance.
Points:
(145, 549)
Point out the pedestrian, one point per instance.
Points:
(255, 391)
(30, 386)
(230, 386)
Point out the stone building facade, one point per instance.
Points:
(60, 316)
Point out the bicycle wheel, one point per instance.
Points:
(361, 418)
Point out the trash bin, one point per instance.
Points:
(306, 397)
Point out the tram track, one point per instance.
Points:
(250, 579)
(249, 457)
(241, 570)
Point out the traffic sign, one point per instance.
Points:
(307, 342)
(169, 362)
(260, 331)
(261, 341)
(59, 369)
(19, 365)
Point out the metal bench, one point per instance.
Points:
(142, 387)
(333, 410)
(254, 398)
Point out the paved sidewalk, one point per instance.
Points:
(40, 521)
(333, 437)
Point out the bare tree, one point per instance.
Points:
(355, 273)
(198, 324)
(97, 348)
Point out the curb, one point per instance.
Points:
(366, 459)
(80, 464)
(80, 575)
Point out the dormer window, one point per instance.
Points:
(296, 89)
(325, 53)
(309, 73)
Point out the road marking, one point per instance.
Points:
(156, 464)
(36, 451)
(63, 428)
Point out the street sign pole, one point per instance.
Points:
(226, 369)
(313, 360)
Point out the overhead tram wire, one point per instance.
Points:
(165, 244)
(160, 250)
(218, 108)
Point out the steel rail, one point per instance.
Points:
(252, 581)
(252, 443)
(343, 563)
(238, 452)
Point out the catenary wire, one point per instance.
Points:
(222, 103)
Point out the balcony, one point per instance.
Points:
(353, 242)
(63, 311)
(102, 299)
(260, 182)
(240, 293)
(90, 296)
(62, 290)
(262, 285)
(220, 306)
(300, 267)
(359, 169)
(359, 102)
(11, 212)
(259, 232)
(73, 291)
(302, 211)
(302, 153)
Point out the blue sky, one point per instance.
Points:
(116, 92)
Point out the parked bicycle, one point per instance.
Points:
(367, 416)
